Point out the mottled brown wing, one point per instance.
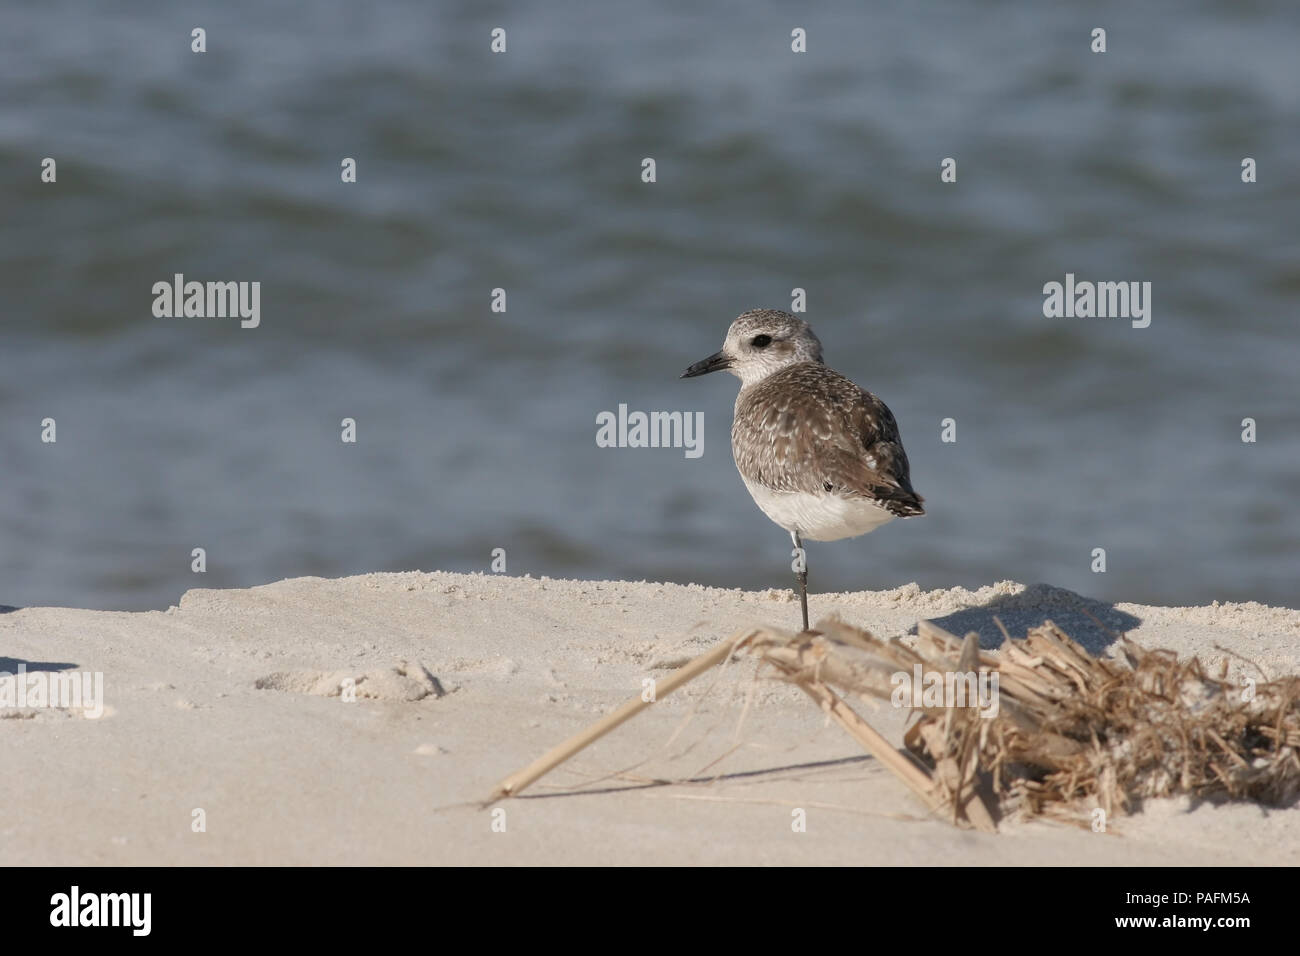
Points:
(810, 429)
(890, 480)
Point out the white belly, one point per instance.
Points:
(819, 517)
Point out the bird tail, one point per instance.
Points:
(904, 504)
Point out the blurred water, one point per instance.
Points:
(522, 171)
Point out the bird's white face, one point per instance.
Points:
(760, 343)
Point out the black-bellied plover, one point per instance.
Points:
(820, 456)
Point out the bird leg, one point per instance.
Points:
(800, 566)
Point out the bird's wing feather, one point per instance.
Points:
(809, 429)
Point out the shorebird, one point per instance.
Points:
(820, 456)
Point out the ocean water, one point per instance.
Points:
(522, 171)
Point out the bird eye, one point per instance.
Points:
(761, 341)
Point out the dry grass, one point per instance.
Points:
(1071, 734)
(1074, 733)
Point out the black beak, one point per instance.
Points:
(714, 363)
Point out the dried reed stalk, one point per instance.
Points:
(516, 782)
(1072, 733)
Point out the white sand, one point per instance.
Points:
(221, 704)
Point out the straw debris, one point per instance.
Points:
(1068, 734)
(1074, 733)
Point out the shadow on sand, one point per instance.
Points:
(9, 665)
(1094, 624)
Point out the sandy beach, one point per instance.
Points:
(226, 709)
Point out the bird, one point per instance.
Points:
(821, 457)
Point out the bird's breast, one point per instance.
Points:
(826, 517)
